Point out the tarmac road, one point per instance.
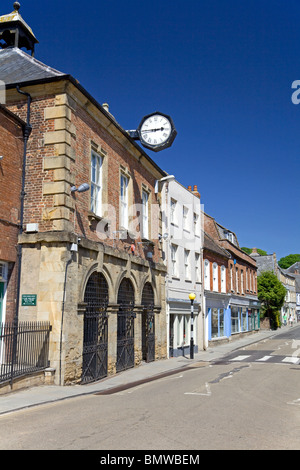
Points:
(234, 402)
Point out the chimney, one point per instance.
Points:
(254, 252)
(195, 192)
(190, 188)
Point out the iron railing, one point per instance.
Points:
(24, 348)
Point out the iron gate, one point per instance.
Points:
(94, 363)
(148, 324)
(125, 331)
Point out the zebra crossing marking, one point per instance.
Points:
(239, 358)
(292, 359)
(265, 358)
(274, 359)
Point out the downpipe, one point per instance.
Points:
(26, 134)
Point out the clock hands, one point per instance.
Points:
(153, 130)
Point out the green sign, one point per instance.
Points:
(29, 300)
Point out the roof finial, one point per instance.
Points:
(17, 6)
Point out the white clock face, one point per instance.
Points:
(156, 130)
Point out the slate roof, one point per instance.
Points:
(295, 267)
(17, 66)
(211, 245)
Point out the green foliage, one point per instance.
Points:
(271, 294)
(246, 250)
(287, 261)
(249, 251)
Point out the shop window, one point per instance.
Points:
(234, 320)
(217, 322)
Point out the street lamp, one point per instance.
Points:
(192, 298)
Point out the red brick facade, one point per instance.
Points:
(68, 238)
(86, 133)
(11, 149)
(241, 268)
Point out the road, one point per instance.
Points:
(249, 399)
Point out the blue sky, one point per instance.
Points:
(222, 69)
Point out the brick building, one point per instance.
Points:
(98, 278)
(234, 275)
(215, 275)
(11, 158)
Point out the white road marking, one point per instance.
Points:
(293, 360)
(207, 394)
(294, 402)
(263, 359)
(239, 358)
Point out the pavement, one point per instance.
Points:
(27, 398)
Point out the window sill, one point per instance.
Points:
(93, 216)
(97, 218)
(147, 241)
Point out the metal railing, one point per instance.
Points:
(24, 349)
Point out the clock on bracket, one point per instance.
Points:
(157, 131)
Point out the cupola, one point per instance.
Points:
(15, 32)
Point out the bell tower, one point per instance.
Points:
(15, 32)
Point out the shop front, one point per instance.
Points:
(244, 315)
(180, 328)
(227, 317)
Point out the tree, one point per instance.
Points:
(287, 261)
(271, 294)
(249, 251)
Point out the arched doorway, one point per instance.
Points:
(148, 324)
(125, 329)
(94, 362)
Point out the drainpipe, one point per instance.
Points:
(26, 134)
(62, 316)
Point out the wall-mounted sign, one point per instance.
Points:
(29, 300)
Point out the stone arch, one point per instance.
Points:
(124, 275)
(95, 330)
(125, 325)
(148, 323)
(86, 276)
(147, 279)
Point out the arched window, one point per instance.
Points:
(215, 278)
(206, 275)
(223, 279)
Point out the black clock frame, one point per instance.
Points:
(158, 147)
